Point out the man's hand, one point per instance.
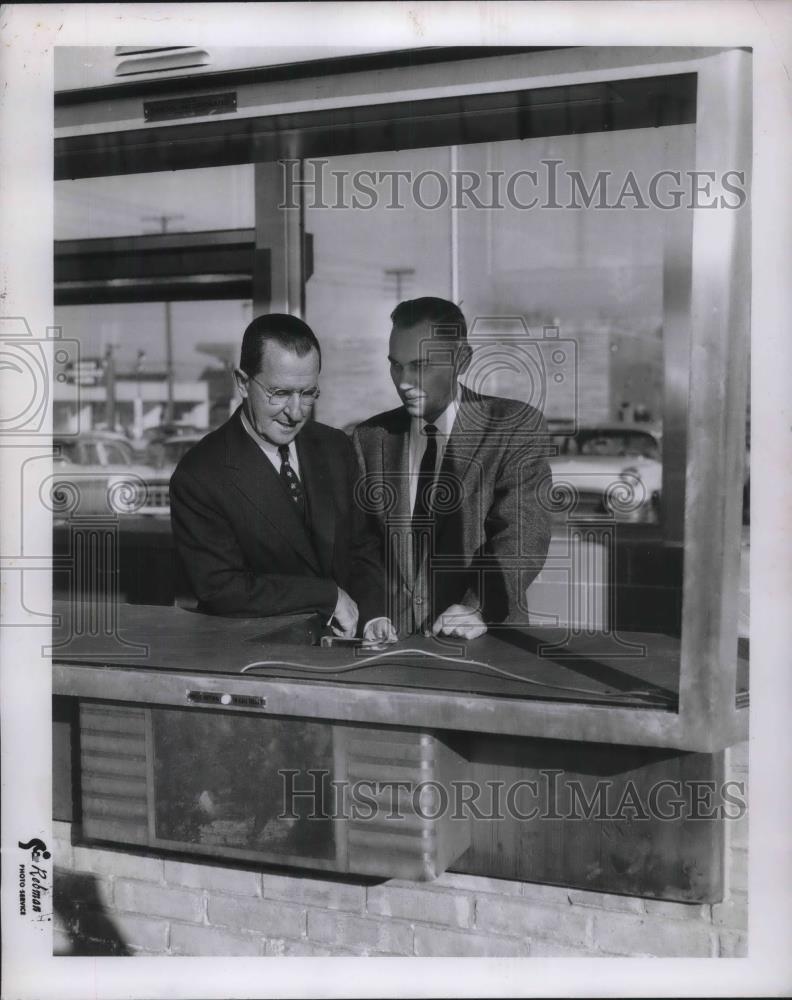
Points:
(345, 616)
(378, 631)
(460, 620)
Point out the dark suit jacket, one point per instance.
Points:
(243, 543)
(491, 530)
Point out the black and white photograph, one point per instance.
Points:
(385, 389)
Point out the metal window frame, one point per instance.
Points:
(158, 267)
(716, 352)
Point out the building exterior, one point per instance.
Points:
(138, 403)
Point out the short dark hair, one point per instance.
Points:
(445, 317)
(289, 332)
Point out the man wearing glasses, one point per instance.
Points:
(262, 508)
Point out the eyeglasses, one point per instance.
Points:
(281, 397)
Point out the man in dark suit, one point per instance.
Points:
(451, 482)
(262, 508)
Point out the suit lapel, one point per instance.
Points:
(255, 477)
(396, 459)
(462, 460)
(317, 483)
(468, 435)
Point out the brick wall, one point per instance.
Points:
(112, 902)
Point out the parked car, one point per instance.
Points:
(153, 435)
(165, 454)
(171, 430)
(608, 471)
(97, 473)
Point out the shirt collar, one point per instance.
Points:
(269, 449)
(445, 422)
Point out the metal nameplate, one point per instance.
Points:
(225, 700)
(189, 107)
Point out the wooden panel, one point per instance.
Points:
(625, 846)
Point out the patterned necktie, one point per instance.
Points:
(291, 480)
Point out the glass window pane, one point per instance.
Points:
(132, 204)
(592, 277)
(594, 272)
(219, 782)
(366, 260)
(132, 334)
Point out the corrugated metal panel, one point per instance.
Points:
(418, 845)
(114, 773)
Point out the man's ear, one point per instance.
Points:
(241, 379)
(464, 354)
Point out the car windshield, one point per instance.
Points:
(118, 453)
(68, 450)
(615, 444)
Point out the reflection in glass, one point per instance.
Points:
(570, 309)
(366, 260)
(131, 204)
(146, 340)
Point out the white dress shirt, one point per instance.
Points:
(418, 440)
(271, 450)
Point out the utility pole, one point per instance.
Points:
(110, 387)
(138, 404)
(399, 274)
(163, 221)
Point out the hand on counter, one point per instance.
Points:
(378, 631)
(345, 617)
(460, 620)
